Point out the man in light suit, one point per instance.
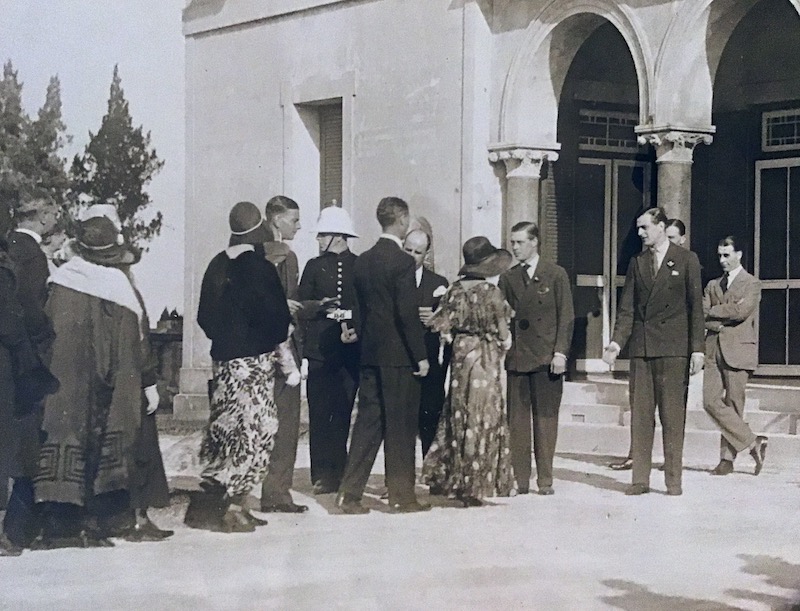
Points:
(430, 288)
(660, 317)
(539, 294)
(392, 354)
(730, 305)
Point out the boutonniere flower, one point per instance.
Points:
(670, 263)
(439, 291)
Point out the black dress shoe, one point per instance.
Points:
(321, 487)
(410, 507)
(759, 453)
(284, 508)
(350, 505)
(725, 467)
(545, 491)
(626, 464)
(637, 489)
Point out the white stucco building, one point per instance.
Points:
(481, 113)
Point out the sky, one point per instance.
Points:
(80, 41)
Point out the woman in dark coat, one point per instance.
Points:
(244, 313)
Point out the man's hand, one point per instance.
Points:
(696, 363)
(611, 353)
(558, 365)
(348, 335)
(422, 368)
(294, 306)
(151, 394)
(329, 303)
(425, 315)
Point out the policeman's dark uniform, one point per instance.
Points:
(332, 365)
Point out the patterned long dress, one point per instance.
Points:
(470, 456)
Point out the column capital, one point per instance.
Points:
(523, 161)
(674, 144)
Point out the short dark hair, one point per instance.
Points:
(390, 211)
(732, 241)
(678, 224)
(657, 215)
(529, 226)
(278, 205)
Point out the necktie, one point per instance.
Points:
(525, 277)
(723, 284)
(654, 263)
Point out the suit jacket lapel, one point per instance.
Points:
(663, 271)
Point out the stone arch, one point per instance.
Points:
(529, 109)
(687, 62)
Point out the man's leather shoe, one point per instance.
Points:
(545, 491)
(759, 453)
(622, 465)
(636, 489)
(349, 505)
(674, 491)
(324, 488)
(410, 507)
(725, 467)
(284, 508)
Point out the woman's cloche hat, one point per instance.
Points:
(483, 260)
(100, 242)
(247, 225)
(335, 220)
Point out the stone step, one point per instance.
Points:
(701, 448)
(761, 421)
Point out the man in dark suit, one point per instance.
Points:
(730, 304)
(660, 317)
(392, 347)
(430, 288)
(327, 290)
(539, 294)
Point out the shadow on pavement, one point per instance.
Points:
(777, 572)
(634, 597)
(604, 482)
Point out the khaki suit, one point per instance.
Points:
(731, 355)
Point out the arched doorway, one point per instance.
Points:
(748, 182)
(602, 181)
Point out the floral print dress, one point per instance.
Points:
(470, 457)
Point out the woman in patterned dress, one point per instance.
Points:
(470, 457)
(244, 313)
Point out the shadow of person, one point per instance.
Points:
(603, 482)
(634, 597)
(777, 572)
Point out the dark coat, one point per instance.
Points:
(543, 315)
(388, 323)
(329, 275)
(425, 299)
(242, 308)
(662, 316)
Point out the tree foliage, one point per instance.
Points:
(116, 167)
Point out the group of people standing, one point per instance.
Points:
(77, 392)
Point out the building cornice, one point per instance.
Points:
(204, 16)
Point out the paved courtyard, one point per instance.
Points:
(727, 543)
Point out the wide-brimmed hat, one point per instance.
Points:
(335, 220)
(247, 225)
(99, 241)
(482, 259)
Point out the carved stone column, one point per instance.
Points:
(674, 156)
(523, 166)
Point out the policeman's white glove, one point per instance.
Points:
(151, 394)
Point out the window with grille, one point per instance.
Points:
(780, 130)
(608, 131)
(330, 152)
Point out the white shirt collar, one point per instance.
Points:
(31, 233)
(733, 273)
(393, 238)
(418, 274)
(661, 251)
(235, 251)
(532, 263)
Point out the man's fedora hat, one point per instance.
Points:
(337, 221)
(247, 225)
(483, 260)
(100, 242)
